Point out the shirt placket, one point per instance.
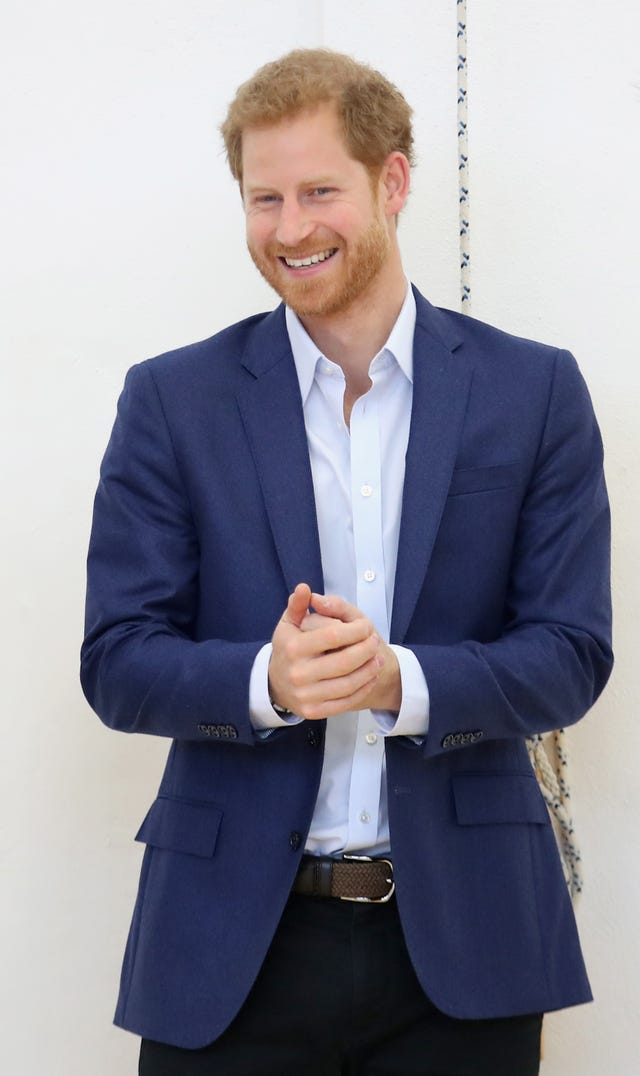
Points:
(366, 506)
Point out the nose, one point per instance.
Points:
(294, 223)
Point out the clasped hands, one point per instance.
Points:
(331, 660)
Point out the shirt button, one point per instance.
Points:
(371, 738)
(365, 817)
(369, 575)
(366, 490)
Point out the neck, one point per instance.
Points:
(353, 337)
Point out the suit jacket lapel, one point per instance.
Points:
(271, 409)
(441, 381)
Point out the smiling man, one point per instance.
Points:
(347, 556)
(318, 220)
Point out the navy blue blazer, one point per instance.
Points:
(205, 521)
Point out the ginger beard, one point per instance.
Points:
(335, 289)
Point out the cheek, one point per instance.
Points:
(258, 229)
(347, 224)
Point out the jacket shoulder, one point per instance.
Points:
(483, 331)
(225, 348)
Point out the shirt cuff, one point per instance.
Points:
(261, 713)
(413, 717)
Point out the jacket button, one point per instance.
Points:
(313, 736)
(295, 840)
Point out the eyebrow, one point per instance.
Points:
(318, 181)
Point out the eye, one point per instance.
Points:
(320, 191)
(262, 200)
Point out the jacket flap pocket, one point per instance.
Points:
(486, 798)
(181, 826)
(483, 479)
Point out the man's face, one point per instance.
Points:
(315, 225)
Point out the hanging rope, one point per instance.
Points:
(463, 160)
(548, 754)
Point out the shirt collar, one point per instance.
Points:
(399, 344)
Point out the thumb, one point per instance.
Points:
(298, 605)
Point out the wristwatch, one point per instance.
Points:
(280, 710)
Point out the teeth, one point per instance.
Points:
(313, 259)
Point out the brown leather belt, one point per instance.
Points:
(358, 878)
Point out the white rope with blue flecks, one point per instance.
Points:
(552, 772)
(463, 160)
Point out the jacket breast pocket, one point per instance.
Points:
(494, 798)
(467, 480)
(181, 826)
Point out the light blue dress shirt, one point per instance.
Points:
(358, 478)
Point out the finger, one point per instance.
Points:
(333, 605)
(298, 605)
(328, 634)
(342, 695)
(313, 621)
(336, 664)
(308, 677)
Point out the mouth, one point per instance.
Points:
(309, 260)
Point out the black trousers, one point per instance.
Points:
(337, 996)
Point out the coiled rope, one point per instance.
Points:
(552, 774)
(548, 754)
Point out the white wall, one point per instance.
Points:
(122, 237)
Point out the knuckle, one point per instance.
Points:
(290, 649)
(295, 677)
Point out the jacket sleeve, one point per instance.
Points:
(553, 657)
(142, 667)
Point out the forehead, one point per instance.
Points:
(308, 144)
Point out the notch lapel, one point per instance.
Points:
(441, 383)
(271, 410)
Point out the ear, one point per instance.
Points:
(395, 182)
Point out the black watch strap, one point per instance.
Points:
(281, 710)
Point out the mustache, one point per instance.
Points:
(276, 250)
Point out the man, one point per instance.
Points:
(347, 556)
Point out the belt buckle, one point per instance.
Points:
(372, 900)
